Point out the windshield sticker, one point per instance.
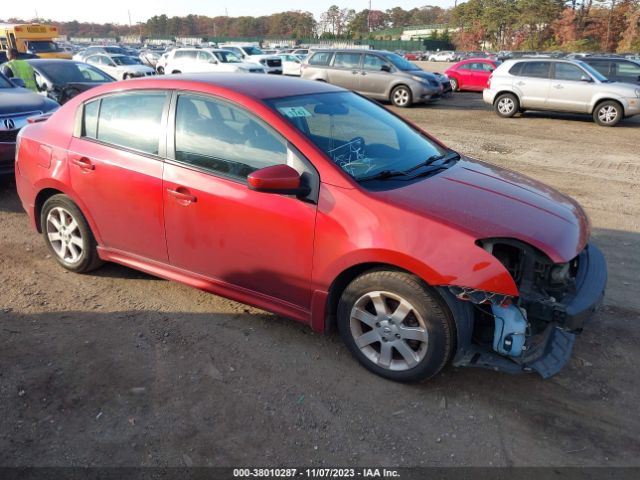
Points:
(295, 112)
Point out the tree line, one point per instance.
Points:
(571, 25)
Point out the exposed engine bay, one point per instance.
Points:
(536, 330)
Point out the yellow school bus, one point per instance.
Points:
(32, 38)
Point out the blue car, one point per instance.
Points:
(17, 105)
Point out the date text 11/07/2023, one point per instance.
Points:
(315, 473)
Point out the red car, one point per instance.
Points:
(317, 204)
(471, 74)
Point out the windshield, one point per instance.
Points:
(125, 60)
(65, 71)
(400, 63)
(43, 46)
(594, 73)
(227, 57)
(359, 136)
(252, 51)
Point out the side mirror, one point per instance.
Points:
(491, 70)
(385, 68)
(584, 78)
(18, 82)
(277, 179)
(214, 61)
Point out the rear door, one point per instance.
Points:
(481, 74)
(345, 70)
(569, 92)
(626, 71)
(115, 165)
(533, 83)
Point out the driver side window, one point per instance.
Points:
(221, 138)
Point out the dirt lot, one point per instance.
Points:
(120, 368)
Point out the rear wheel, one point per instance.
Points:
(395, 325)
(401, 96)
(176, 71)
(608, 113)
(68, 235)
(506, 105)
(454, 84)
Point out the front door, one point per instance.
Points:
(115, 167)
(215, 225)
(571, 89)
(374, 80)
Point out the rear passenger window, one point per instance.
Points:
(223, 139)
(131, 120)
(535, 69)
(321, 58)
(347, 60)
(373, 62)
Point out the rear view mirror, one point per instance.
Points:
(280, 179)
(331, 109)
(385, 68)
(18, 82)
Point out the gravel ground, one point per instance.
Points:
(120, 368)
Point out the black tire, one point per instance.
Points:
(160, 71)
(176, 72)
(506, 105)
(428, 313)
(454, 84)
(125, 76)
(87, 259)
(401, 96)
(608, 113)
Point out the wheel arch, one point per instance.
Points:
(504, 91)
(597, 103)
(49, 190)
(460, 313)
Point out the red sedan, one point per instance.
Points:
(471, 74)
(317, 204)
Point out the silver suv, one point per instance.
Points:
(374, 73)
(560, 85)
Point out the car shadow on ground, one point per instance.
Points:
(9, 201)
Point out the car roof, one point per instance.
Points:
(260, 87)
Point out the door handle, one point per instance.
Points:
(520, 83)
(558, 86)
(84, 163)
(354, 72)
(363, 73)
(182, 197)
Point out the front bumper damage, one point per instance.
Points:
(538, 334)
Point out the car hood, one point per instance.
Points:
(421, 74)
(18, 100)
(490, 202)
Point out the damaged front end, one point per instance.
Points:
(535, 331)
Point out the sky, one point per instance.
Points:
(116, 11)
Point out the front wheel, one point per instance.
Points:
(401, 96)
(608, 114)
(395, 325)
(506, 105)
(68, 235)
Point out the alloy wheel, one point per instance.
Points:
(64, 235)
(401, 97)
(506, 105)
(608, 114)
(388, 330)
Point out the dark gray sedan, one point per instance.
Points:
(17, 105)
